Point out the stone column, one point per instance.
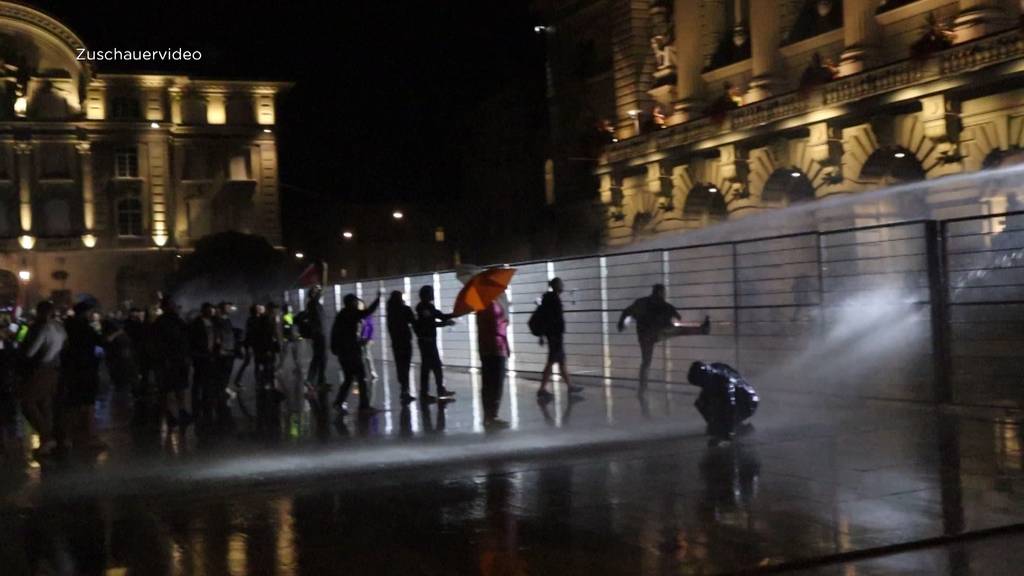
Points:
(88, 196)
(977, 18)
(689, 62)
(860, 34)
(764, 38)
(24, 152)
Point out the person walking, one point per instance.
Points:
(80, 371)
(428, 320)
(172, 364)
(552, 318)
(266, 344)
(317, 374)
(656, 319)
(137, 330)
(400, 322)
(37, 390)
(227, 348)
(256, 312)
(345, 344)
(492, 340)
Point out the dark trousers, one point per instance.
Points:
(647, 344)
(317, 374)
(354, 369)
(492, 372)
(203, 376)
(430, 362)
(403, 361)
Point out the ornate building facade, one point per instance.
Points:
(696, 111)
(106, 178)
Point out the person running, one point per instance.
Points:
(172, 363)
(552, 322)
(492, 340)
(400, 321)
(44, 343)
(428, 320)
(656, 319)
(345, 344)
(317, 374)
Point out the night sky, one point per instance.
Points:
(383, 90)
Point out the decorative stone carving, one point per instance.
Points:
(663, 44)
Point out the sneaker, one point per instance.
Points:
(445, 394)
(574, 388)
(427, 399)
(496, 424)
(341, 407)
(544, 393)
(408, 398)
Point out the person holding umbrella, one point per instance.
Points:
(483, 294)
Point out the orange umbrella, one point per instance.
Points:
(482, 289)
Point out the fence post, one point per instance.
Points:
(736, 303)
(938, 297)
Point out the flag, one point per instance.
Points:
(309, 277)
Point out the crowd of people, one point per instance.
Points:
(185, 371)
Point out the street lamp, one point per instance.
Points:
(299, 255)
(24, 275)
(347, 235)
(397, 215)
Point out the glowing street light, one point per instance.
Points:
(24, 275)
(397, 215)
(347, 235)
(299, 255)
(713, 189)
(267, 130)
(154, 125)
(794, 174)
(900, 155)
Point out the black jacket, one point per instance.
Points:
(345, 332)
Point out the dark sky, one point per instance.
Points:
(382, 89)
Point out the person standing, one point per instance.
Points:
(492, 340)
(227, 348)
(366, 334)
(428, 320)
(400, 322)
(553, 333)
(345, 344)
(170, 334)
(80, 370)
(44, 343)
(317, 374)
(256, 312)
(289, 340)
(203, 338)
(137, 330)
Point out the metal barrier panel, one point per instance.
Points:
(630, 276)
(460, 343)
(529, 283)
(584, 330)
(985, 264)
(876, 334)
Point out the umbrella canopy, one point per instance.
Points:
(482, 289)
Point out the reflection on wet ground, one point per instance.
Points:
(612, 484)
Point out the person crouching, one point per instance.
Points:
(726, 399)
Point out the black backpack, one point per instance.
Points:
(304, 323)
(538, 321)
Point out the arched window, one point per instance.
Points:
(892, 164)
(705, 203)
(129, 217)
(787, 185)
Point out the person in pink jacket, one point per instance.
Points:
(492, 340)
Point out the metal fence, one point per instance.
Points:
(920, 310)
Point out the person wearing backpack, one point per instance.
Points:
(550, 323)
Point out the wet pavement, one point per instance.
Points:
(612, 484)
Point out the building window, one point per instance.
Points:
(439, 234)
(129, 217)
(126, 162)
(58, 217)
(197, 164)
(125, 108)
(54, 162)
(238, 167)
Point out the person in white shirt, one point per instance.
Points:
(37, 390)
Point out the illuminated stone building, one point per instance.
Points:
(105, 178)
(695, 111)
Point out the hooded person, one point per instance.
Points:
(428, 320)
(347, 346)
(400, 320)
(726, 399)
